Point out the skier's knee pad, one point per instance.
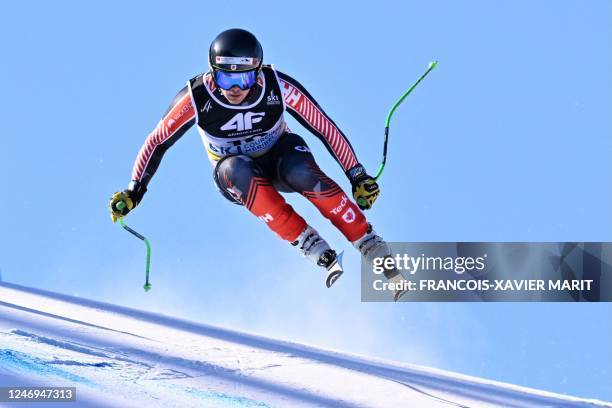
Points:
(233, 175)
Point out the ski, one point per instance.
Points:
(334, 270)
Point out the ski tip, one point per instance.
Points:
(433, 64)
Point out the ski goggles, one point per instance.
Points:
(243, 80)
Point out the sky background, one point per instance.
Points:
(509, 139)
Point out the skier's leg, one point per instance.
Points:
(298, 169)
(241, 180)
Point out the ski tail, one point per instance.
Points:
(335, 270)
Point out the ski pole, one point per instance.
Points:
(431, 66)
(147, 285)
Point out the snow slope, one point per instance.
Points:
(121, 357)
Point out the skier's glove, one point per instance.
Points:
(130, 198)
(125, 197)
(365, 188)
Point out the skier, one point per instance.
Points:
(238, 108)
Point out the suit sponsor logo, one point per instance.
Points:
(243, 121)
(292, 95)
(273, 99)
(206, 107)
(252, 141)
(255, 144)
(341, 206)
(178, 115)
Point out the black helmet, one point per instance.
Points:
(235, 50)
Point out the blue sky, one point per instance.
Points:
(509, 139)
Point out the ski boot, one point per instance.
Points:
(373, 246)
(316, 249)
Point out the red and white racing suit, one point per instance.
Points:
(255, 155)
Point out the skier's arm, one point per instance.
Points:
(179, 117)
(307, 111)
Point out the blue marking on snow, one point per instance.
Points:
(220, 399)
(80, 364)
(24, 362)
(57, 343)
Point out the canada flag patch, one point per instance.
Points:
(349, 215)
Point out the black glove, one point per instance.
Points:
(365, 188)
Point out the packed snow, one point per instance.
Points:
(121, 357)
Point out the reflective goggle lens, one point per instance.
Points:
(243, 80)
